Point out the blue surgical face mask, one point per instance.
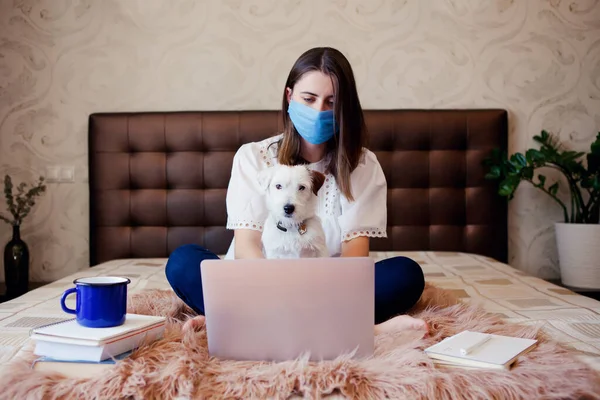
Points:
(314, 126)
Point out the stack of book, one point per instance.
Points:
(477, 350)
(78, 351)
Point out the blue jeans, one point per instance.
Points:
(399, 281)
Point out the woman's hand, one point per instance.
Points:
(248, 244)
(357, 247)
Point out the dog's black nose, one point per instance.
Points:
(288, 208)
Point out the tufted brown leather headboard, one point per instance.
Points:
(158, 180)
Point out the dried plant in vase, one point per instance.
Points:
(16, 252)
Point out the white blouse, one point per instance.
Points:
(342, 220)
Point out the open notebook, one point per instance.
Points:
(68, 340)
(479, 350)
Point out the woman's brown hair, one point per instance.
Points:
(345, 147)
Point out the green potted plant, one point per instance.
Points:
(16, 252)
(578, 235)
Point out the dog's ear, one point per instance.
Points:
(318, 179)
(264, 178)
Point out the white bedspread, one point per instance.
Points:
(568, 317)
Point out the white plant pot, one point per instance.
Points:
(579, 254)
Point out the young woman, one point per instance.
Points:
(323, 128)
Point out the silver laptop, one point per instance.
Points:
(276, 310)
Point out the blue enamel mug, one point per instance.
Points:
(101, 301)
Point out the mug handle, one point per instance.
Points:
(64, 297)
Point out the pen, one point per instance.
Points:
(466, 350)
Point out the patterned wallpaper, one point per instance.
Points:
(61, 60)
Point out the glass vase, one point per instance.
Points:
(16, 265)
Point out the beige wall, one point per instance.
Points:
(62, 60)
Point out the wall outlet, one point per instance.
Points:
(52, 174)
(67, 174)
(60, 174)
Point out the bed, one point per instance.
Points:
(158, 180)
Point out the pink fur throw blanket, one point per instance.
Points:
(178, 366)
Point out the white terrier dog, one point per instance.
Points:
(292, 228)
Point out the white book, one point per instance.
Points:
(77, 368)
(479, 350)
(68, 340)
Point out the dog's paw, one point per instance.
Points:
(194, 324)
